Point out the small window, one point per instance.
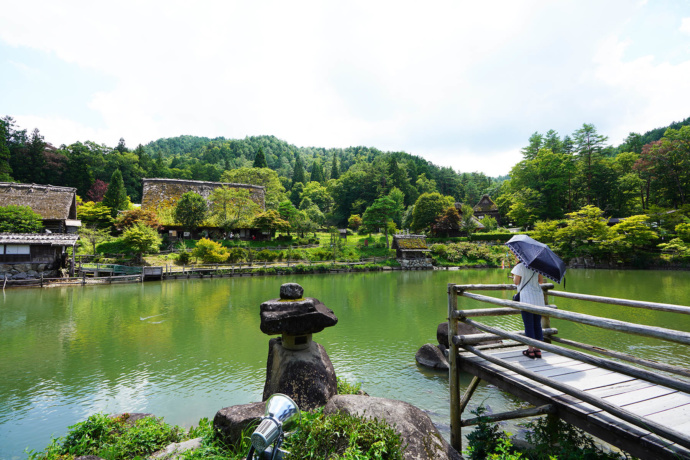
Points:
(2, 249)
(18, 249)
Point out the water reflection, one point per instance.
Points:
(184, 349)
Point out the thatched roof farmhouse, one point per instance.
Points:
(166, 192)
(486, 207)
(56, 205)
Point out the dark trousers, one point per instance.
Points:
(533, 326)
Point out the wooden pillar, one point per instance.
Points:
(546, 320)
(455, 412)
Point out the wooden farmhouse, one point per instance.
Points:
(57, 206)
(32, 255)
(486, 207)
(162, 195)
(411, 251)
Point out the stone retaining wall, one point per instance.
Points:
(412, 264)
(25, 271)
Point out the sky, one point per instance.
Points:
(460, 83)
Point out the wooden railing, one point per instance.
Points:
(509, 307)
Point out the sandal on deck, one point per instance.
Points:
(529, 353)
(537, 354)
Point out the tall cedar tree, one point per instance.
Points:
(298, 172)
(317, 172)
(335, 172)
(36, 158)
(121, 147)
(260, 159)
(589, 145)
(116, 196)
(5, 169)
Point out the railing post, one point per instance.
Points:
(455, 413)
(546, 320)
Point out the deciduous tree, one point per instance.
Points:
(427, 208)
(378, 215)
(141, 239)
(19, 219)
(191, 210)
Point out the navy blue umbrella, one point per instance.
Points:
(537, 256)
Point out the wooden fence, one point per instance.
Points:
(668, 376)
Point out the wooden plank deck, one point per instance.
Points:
(654, 402)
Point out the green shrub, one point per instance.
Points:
(112, 438)
(346, 388)
(485, 438)
(268, 256)
(237, 255)
(183, 258)
(210, 252)
(343, 436)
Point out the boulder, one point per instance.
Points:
(229, 422)
(307, 376)
(177, 449)
(418, 432)
(20, 276)
(432, 357)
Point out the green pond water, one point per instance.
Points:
(184, 349)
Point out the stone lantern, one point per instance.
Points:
(297, 366)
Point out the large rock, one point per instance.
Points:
(307, 376)
(177, 449)
(432, 357)
(229, 422)
(418, 432)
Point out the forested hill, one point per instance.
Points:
(635, 141)
(225, 154)
(557, 175)
(280, 156)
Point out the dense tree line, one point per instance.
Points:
(310, 186)
(561, 175)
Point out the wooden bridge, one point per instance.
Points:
(642, 408)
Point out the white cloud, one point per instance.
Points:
(462, 84)
(685, 25)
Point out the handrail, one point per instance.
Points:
(623, 302)
(597, 321)
(507, 307)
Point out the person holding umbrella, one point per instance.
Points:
(535, 261)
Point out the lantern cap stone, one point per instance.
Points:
(295, 315)
(291, 291)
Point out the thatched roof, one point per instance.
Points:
(166, 192)
(485, 205)
(49, 201)
(409, 242)
(49, 239)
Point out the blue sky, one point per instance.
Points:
(463, 84)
